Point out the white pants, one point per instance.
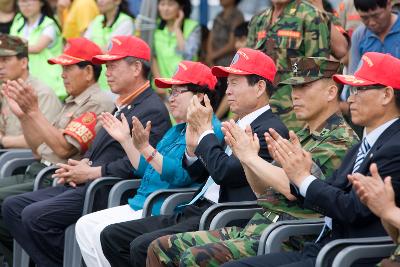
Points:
(89, 227)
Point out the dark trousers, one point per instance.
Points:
(11, 186)
(305, 258)
(37, 220)
(125, 244)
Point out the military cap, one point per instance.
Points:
(310, 69)
(12, 46)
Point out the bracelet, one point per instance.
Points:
(151, 157)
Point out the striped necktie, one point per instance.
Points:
(362, 152)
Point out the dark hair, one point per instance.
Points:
(186, 7)
(327, 6)
(96, 68)
(252, 79)
(367, 5)
(242, 29)
(203, 89)
(46, 11)
(122, 8)
(397, 97)
(145, 65)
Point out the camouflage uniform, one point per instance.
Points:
(327, 145)
(300, 31)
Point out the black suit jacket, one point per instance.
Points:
(336, 197)
(109, 154)
(226, 170)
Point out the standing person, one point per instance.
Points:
(8, 10)
(159, 167)
(326, 136)
(114, 19)
(374, 104)
(37, 220)
(70, 133)
(380, 31)
(14, 66)
(75, 16)
(206, 160)
(176, 38)
(288, 29)
(36, 24)
(221, 41)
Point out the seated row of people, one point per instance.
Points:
(292, 176)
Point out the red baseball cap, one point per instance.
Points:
(248, 61)
(124, 46)
(76, 50)
(376, 68)
(189, 72)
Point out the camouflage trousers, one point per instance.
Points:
(281, 104)
(208, 248)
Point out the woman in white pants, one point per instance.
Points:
(159, 167)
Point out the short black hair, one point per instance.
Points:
(397, 97)
(367, 5)
(252, 79)
(96, 68)
(241, 30)
(195, 88)
(145, 65)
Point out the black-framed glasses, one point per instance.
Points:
(354, 90)
(177, 91)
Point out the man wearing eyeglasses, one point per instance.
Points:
(380, 32)
(374, 104)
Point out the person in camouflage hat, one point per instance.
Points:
(290, 28)
(326, 136)
(12, 46)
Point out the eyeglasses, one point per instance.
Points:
(354, 90)
(176, 92)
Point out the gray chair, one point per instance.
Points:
(337, 253)
(12, 159)
(344, 252)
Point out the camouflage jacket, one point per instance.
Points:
(300, 31)
(328, 147)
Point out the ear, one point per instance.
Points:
(261, 88)
(24, 62)
(89, 73)
(388, 96)
(332, 92)
(136, 68)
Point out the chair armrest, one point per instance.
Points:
(42, 175)
(174, 200)
(119, 189)
(92, 190)
(212, 211)
(272, 237)
(224, 217)
(331, 251)
(161, 194)
(10, 153)
(12, 164)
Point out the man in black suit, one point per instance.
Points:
(250, 77)
(37, 220)
(374, 104)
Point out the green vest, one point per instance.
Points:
(165, 48)
(101, 36)
(38, 66)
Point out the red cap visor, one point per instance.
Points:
(225, 71)
(101, 59)
(65, 60)
(352, 80)
(168, 82)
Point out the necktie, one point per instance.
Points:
(362, 152)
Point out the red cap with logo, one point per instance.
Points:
(376, 68)
(124, 46)
(189, 72)
(77, 50)
(248, 61)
